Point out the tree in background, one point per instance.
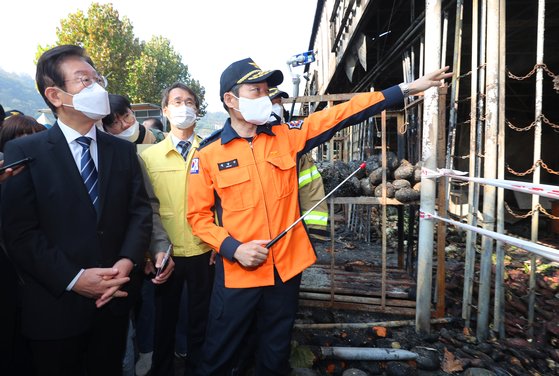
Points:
(157, 67)
(138, 70)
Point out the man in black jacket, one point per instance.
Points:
(77, 222)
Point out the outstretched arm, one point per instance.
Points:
(433, 79)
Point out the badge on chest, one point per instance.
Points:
(228, 164)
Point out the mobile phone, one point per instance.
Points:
(14, 165)
(164, 261)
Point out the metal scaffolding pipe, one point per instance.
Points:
(384, 214)
(450, 147)
(444, 36)
(499, 310)
(429, 158)
(537, 156)
(473, 188)
(367, 325)
(366, 353)
(489, 165)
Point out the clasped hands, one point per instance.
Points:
(104, 284)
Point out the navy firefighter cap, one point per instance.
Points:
(246, 72)
(274, 92)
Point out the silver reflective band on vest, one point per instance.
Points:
(316, 218)
(308, 175)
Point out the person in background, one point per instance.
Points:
(311, 186)
(18, 126)
(153, 123)
(243, 193)
(13, 351)
(12, 112)
(156, 127)
(2, 115)
(142, 317)
(168, 164)
(122, 123)
(76, 222)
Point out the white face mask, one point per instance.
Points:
(131, 133)
(92, 101)
(182, 117)
(255, 111)
(278, 110)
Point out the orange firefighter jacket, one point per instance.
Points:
(241, 191)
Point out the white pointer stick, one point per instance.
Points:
(275, 240)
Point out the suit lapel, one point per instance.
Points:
(105, 151)
(64, 159)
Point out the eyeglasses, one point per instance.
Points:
(88, 81)
(186, 102)
(129, 118)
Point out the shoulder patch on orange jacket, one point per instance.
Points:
(297, 124)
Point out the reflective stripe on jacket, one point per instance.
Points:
(311, 191)
(241, 191)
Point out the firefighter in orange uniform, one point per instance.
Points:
(243, 192)
(311, 187)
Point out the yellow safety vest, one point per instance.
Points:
(311, 190)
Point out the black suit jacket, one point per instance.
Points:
(52, 230)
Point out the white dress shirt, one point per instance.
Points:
(176, 140)
(71, 135)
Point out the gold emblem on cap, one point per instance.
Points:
(253, 74)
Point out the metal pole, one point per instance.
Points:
(421, 56)
(489, 165)
(499, 311)
(442, 205)
(444, 39)
(384, 240)
(367, 325)
(537, 156)
(470, 258)
(429, 157)
(455, 86)
(332, 252)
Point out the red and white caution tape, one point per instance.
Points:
(538, 249)
(550, 191)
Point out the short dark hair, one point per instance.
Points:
(2, 115)
(119, 106)
(48, 68)
(235, 90)
(17, 126)
(156, 123)
(178, 85)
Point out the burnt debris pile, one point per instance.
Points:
(402, 178)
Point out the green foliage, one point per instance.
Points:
(301, 356)
(158, 67)
(108, 40)
(138, 70)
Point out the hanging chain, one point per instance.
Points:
(539, 162)
(541, 117)
(538, 207)
(543, 66)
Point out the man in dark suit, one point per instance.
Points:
(77, 222)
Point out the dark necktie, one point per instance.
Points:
(183, 147)
(88, 170)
